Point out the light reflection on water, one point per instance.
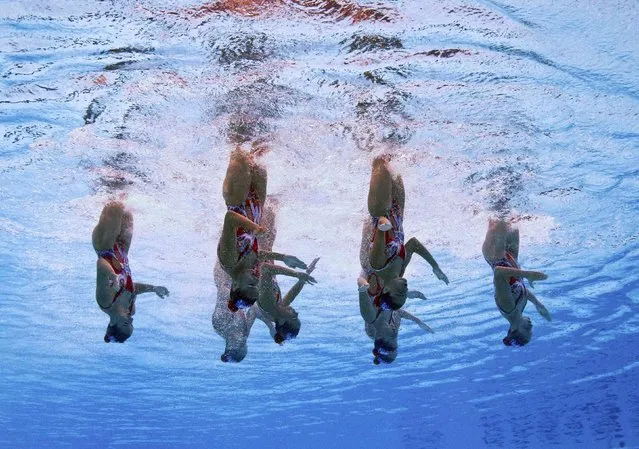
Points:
(486, 106)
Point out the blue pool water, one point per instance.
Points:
(488, 106)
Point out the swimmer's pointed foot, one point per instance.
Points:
(384, 224)
(259, 148)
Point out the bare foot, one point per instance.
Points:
(260, 148)
(384, 224)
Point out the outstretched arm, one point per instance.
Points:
(297, 288)
(289, 260)
(415, 246)
(414, 319)
(148, 288)
(268, 271)
(538, 305)
(507, 272)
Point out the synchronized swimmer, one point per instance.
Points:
(246, 269)
(501, 251)
(247, 261)
(384, 258)
(115, 290)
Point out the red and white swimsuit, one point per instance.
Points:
(394, 248)
(517, 287)
(245, 239)
(125, 280)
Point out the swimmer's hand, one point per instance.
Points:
(260, 230)
(161, 291)
(415, 294)
(543, 311)
(311, 267)
(294, 262)
(426, 327)
(533, 276)
(362, 284)
(307, 278)
(440, 274)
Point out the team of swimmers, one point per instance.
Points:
(247, 267)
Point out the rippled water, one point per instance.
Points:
(488, 106)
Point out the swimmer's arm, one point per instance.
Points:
(270, 269)
(293, 292)
(366, 308)
(238, 220)
(415, 246)
(414, 319)
(538, 305)
(297, 288)
(289, 260)
(148, 288)
(507, 272)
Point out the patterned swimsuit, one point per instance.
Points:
(517, 287)
(394, 248)
(245, 239)
(125, 280)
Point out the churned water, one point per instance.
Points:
(488, 106)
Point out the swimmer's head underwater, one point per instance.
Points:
(287, 329)
(384, 351)
(235, 355)
(119, 333)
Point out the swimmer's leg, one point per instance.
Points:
(512, 243)
(381, 189)
(495, 241)
(379, 204)
(399, 194)
(269, 215)
(364, 248)
(259, 180)
(108, 228)
(238, 178)
(126, 231)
